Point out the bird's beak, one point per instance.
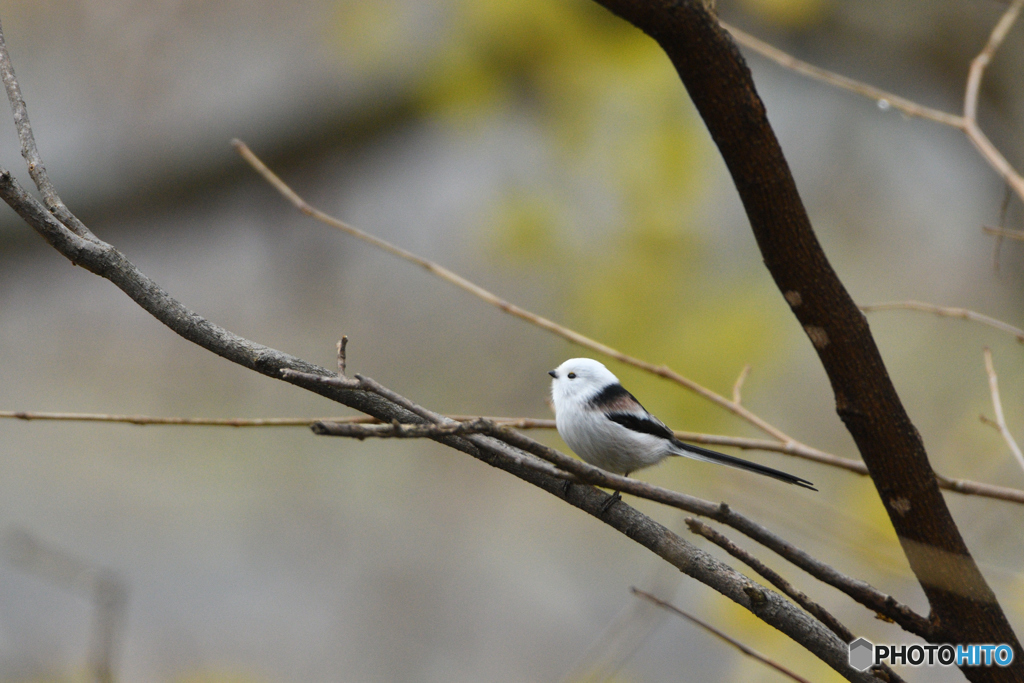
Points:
(553, 374)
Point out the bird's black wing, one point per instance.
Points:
(621, 407)
(645, 424)
(615, 396)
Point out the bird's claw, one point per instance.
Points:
(609, 501)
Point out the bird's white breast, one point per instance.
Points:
(609, 445)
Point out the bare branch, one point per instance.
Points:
(966, 123)
(997, 243)
(975, 488)
(754, 654)
(974, 133)
(142, 420)
(1003, 232)
(997, 405)
(29, 150)
(738, 385)
(773, 577)
(803, 68)
(397, 430)
(981, 62)
(948, 312)
(962, 486)
(342, 343)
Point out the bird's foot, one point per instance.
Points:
(609, 501)
(566, 485)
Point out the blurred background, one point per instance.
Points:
(547, 151)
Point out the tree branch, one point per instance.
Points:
(967, 123)
(997, 406)
(962, 486)
(948, 312)
(396, 430)
(788, 61)
(964, 608)
(28, 147)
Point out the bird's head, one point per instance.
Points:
(577, 380)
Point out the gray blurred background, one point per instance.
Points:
(545, 150)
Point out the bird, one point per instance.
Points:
(606, 426)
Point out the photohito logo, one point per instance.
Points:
(865, 654)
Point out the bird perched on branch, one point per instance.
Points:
(607, 427)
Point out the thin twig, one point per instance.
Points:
(966, 123)
(361, 383)
(997, 244)
(997, 406)
(342, 343)
(974, 75)
(981, 61)
(142, 420)
(754, 654)
(788, 61)
(29, 150)
(737, 386)
(976, 488)
(948, 312)
(962, 486)
(501, 304)
(396, 430)
(1003, 232)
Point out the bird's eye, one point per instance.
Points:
(572, 375)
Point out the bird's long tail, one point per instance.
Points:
(698, 453)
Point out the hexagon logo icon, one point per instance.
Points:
(862, 654)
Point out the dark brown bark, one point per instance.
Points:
(964, 608)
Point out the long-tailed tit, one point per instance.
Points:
(607, 427)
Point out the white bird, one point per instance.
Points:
(607, 427)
